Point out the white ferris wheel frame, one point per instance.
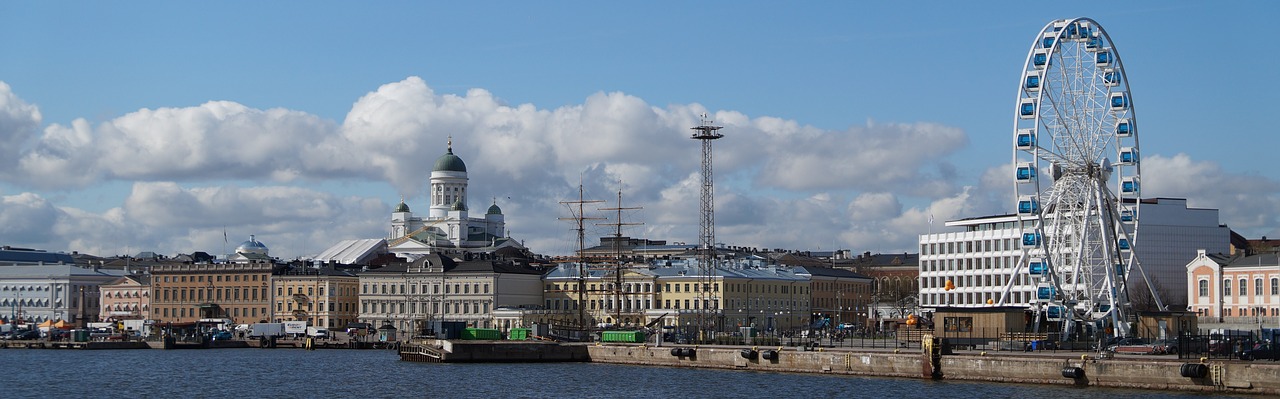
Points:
(1079, 230)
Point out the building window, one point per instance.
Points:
(1244, 285)
(1257, 286)
(1275, 286)
(1204, 288)
(1226, 289)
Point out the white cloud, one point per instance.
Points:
(1248, 203)
(18, 124)
(779, 183)
(26, 219)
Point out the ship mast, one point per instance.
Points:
(579, 218)
(620, 295)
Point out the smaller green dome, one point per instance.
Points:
(459, 206)
(402, 207)
(494, 210)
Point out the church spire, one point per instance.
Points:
(450, 144)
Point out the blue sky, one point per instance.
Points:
(155, 125)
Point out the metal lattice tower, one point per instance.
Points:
(705, 132)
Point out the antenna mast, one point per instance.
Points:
(620, 295)
(706, 132)
(578, 217)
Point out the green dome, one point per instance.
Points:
(402, 207)
(494, 210)
(450, 163)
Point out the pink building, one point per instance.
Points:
(126, 298)
(1235, 289)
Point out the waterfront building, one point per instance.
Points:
(895, 283)
(447, 224)
(126, 298)
(33, 293)
(840, 296)
(981, 259)
(744, 292)
(321, 296)
(185, 293)
(435, 287)
(1241, 289)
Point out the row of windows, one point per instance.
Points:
(972, 298)
(413, 289)
(989, 263)
(234, 312)
(282, 306)
(1244, 284)
(608, 304)
(1005, 244)
(212, 294)
(458, 307)
(1244, 312)
(214, 278)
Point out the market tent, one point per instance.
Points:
(46, 324)
(63, 325)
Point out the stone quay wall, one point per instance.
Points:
(1260, 377)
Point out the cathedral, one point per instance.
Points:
(447, 226)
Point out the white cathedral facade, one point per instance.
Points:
(447, 225)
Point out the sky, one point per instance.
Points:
(176, 127)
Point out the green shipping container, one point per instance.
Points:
(80, 335)
(481, 334)
(622, 336)
(518, 334)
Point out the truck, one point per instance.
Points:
(266, 330)
(139, 327)
(295, 327)
(318, 332)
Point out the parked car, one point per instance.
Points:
(1163, 346)
(222, 335)
(24, 335)
(1260, 351)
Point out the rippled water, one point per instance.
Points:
(288, 373)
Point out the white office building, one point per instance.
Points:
(981, 258)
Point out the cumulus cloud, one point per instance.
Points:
(1248, 203)
(18, 123)
(779, 183)
(27, 219)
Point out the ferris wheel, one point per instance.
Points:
(1077, 177)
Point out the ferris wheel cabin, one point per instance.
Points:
(1119, 101)
(1026, 139)
(1027, 108)
(1031, 239)
(1032, 82)
(1124, 128)
(1026, 173)
(1110, 77)
(1103, 58)
(1129, 185)
(1040, 58)
(1028, 205)
(1037, 267)
(1128, 156)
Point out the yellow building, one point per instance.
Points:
(184, 293)
(667, 294)
(323, 297)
